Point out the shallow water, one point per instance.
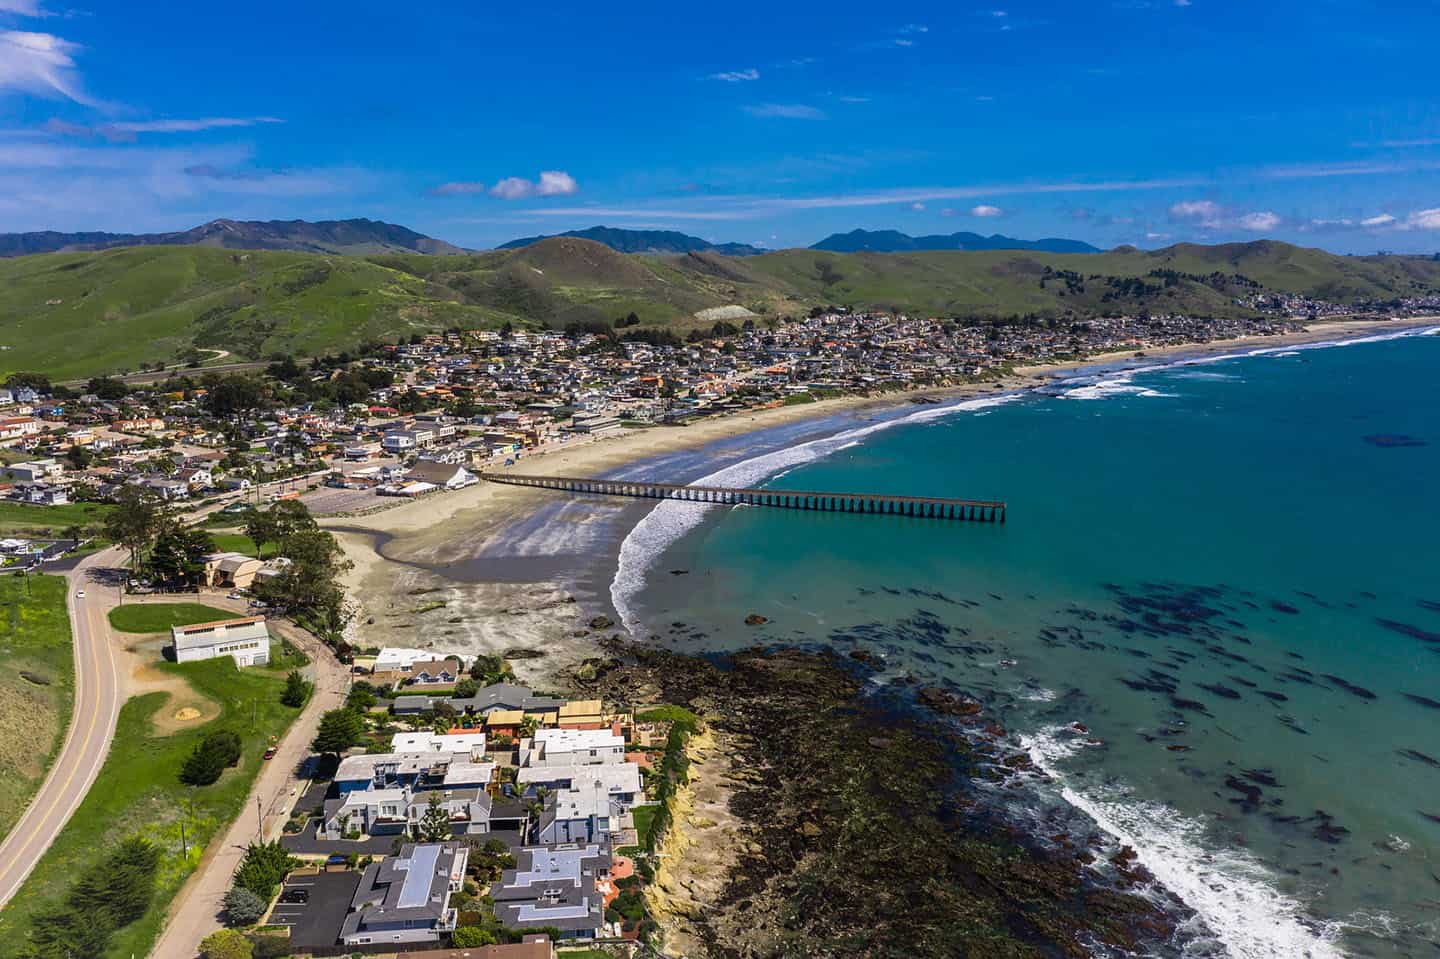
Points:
(1228, 570)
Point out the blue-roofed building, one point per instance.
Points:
(406, 898)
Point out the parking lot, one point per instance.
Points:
(332, 501)
(316, 922)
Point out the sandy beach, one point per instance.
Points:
(500, 569)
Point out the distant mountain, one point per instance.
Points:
(893, 241)
(644, 241)
(357, 237)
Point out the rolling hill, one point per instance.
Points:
(893, 241)
(643, 241)
(78, 314)
(357, 237)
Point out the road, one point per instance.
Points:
(99, 691)
(195, 913)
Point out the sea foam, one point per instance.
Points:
(672, 519)
(1232, 893)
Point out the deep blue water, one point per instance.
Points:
(1228, 572)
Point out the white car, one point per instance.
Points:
(80, 595)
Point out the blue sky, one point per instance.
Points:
(1112, 121)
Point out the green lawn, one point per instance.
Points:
(138, 791)
(644, 818)
(27, 520)
(161, 617)
(34, 711)
(240, 543)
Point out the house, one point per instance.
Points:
(245, 640)
(406, 898)
(572, 747)
(35, 471)
(531, 947)
(620, 782)
(200, 476)
(43, 494)
(424, 742)
(19, 427)
(554, 887)
(399, 658)
(418, 770)
(230, 570)
(448, 476)
(582, 814)
(435, 672)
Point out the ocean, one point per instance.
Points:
(1212, 618)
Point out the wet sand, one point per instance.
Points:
(496, 569)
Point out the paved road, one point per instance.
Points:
(98, 695)
(196, 910)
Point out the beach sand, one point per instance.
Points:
(524, 569)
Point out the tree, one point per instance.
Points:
(528, 725)
(178, 554)
(291, 516)
(260, 528)
(339, 730)
(434, 824)
(264, 867)
(226, 944)
(78, 457)
(465, 688)
(106, 388)
(210, 757)
(296, 690)
(243, 907)
(466, 937)
(309, 584)
(136, 521)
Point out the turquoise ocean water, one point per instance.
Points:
(1226, 571)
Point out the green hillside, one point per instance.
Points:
(78, 314)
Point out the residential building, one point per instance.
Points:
(230, 570)
(554, 887)
(406, 898)
(572, 747)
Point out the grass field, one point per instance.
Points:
(138, 791)
(161, 617)
(26, 520)
(644, 818)
(34, 711)
(157, 303)
(240, 543)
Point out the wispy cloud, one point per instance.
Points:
(129, 130)
(737, 76)
(1261, 221)
(642, 212)
(40, 64)
(985, 209)
(784, 111)
(25, 8)
(1423, 220)
(1383, 219)
(550, 183)
(1206, 213)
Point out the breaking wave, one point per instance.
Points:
(1232, 893)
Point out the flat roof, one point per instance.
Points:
(415, 892)
(202, 627)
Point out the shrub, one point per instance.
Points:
(243, 907)
(296, 690)
(210, 758)
(264, 866)
(108, 895)
(467, 936)
(226, 944)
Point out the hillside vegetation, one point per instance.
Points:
(78, 314)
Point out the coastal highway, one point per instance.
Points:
(98, 695)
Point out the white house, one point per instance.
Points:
(245, 640)
(473, 743)
(572, 747)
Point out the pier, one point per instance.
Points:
(925, 507)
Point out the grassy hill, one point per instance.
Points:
(78, 314)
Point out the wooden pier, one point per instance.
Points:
(927, 507)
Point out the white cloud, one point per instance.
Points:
(737, 76)
(1260, 221)
(784, 111)
(41, 64)
(1383, 219)
(127, 131)
(1424, 220)
(917, 207)
(550, 183)
(985, 209)
(1205, 212)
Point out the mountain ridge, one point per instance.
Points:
(358, 236)
(893, 241)
(624, 240)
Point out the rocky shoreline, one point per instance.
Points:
(864, 820)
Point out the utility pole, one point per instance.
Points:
(183, 849)
(260, 818)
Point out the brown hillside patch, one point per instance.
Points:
(185, 709)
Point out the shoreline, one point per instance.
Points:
(508, 562)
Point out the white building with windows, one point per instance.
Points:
(245, 640)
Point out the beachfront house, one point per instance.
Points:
(554, 887)
(406, 898)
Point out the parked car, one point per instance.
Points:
(295, 895)
(270, 753)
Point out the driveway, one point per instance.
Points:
(316, 923)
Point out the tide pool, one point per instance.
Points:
(1226, 571)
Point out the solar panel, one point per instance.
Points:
(415, 891)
